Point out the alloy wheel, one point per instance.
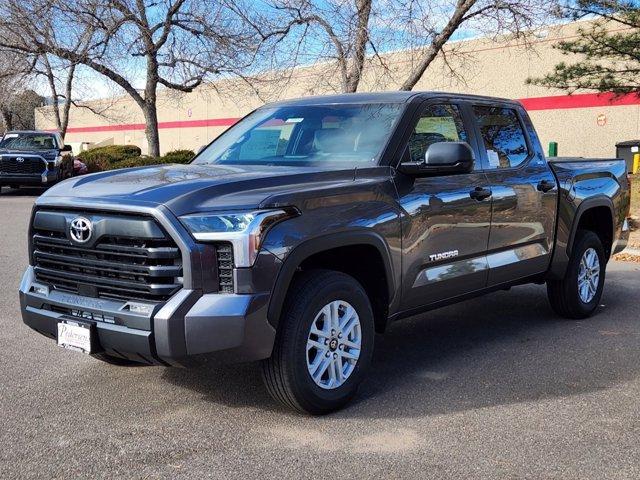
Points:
(588, 275)
(333, 344)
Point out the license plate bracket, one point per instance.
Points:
(77, 336)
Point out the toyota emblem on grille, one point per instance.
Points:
(20, 160)
(81, 229)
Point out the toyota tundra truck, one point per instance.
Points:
(34, 158)
(309, 227)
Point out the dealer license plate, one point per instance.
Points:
(74, 336)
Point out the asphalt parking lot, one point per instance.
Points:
(496, 387)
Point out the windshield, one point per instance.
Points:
(28, 141)
(342, 135)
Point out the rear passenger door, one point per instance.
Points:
(524, 193)
(446, 223)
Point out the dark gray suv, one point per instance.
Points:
(310, 226)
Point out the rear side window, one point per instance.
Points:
(437, 123)
(503, 136)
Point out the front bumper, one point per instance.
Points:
(47, 177)
(188, 327)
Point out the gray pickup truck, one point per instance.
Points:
(310, 226)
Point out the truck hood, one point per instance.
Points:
(195, 188)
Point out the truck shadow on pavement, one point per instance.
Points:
(508, 347)
(21, 192)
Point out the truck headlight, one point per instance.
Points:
(56, 162)
(244, 230)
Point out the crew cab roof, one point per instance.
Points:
(38, 132)
(397, 96)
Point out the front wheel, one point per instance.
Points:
(578, 294)
(324, 343)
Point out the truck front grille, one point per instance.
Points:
(114, 266)
(224, 253)
(11, 165)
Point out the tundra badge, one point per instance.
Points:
(443, 255)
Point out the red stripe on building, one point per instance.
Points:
(584, 100)
(560, 102)
(211, 122)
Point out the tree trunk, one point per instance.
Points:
(360, 46)
(64, 121)
(457, 18)
(150, 108)
(416, 74)
(151, 129)
(54, 93)
(7, 119)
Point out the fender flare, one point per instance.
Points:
(585, 205)
(320, 244)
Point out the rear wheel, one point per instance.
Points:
(324, 343)
(578, 294)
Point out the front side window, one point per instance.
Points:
(28, 141)
(503, 136)
(311, 135)
(438, 123)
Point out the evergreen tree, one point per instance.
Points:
(609, 49)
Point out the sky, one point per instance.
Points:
(392, 35)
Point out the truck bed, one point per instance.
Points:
(578, 170)
(583, 182)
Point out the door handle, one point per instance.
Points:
(545, 185)
(480, 193)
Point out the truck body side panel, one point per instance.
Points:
(524, 204)
(363, 212)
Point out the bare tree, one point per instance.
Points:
(15, 101)
(176, 44)
(429, 27)
(336, 31)
(61, 89)
(351, 33)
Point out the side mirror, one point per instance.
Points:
(442, 158)
(66, 148)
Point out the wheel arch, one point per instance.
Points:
(326, 244)
(590, 215)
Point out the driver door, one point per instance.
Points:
(446, 222)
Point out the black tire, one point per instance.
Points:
(120, 362)
(563, 294)
(285, 373)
